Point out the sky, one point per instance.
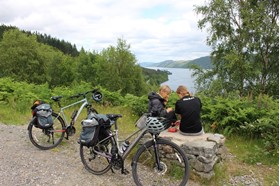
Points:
(156, 30)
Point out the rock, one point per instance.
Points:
(203, 151)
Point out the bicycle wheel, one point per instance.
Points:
(174, 165)
(47, 138)
(96, 159)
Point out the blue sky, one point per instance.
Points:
(156, 30)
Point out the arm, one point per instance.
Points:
(157, 108)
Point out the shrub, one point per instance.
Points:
(256, 118)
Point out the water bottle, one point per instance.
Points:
(124, 146)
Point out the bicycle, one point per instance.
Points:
(157, 161)
(51, 137)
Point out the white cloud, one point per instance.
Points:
(156, 30)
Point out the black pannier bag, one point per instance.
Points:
(105, 123)
(103, 120)
(94, 129)
(90, 131)
(43, 114)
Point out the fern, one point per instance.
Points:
(229, 116)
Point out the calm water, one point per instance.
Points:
(180, 76)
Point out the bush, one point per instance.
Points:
(256, 118)
(21, 95)
(138, 105)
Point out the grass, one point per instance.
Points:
(247, 155)
(11, 116)
(250, 151)
(252, 157)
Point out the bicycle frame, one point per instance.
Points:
(154, 154)
(114, 135)
(133, 143)
(52, 136)
(61, 112)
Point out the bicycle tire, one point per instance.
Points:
(46, 139)
(174, 163)
(94, 163)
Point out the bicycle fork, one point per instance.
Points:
(71, 130)
(156, 151)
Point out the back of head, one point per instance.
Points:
(182, 90)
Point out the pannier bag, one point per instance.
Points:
(90, 131)
(103, 120)
(36, 103)
(43, 114)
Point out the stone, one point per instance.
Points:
(201, 148)
(203, 151)
(205, 160)
(207, 176)
(203, 167)
(217, 138)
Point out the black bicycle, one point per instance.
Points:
(50, 137)
(157, 161)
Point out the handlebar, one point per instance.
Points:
(83, 94)
(57, 98)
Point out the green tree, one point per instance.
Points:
(4, 28)
(61, 71)
(20, 57)
(117, 70)
(245, 41)
(23, 58)
(86, 68)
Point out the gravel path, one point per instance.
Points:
(21, 163)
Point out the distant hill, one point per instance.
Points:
(203, 62)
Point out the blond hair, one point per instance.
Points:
(182, 90)
(165, 88)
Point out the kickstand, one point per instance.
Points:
(66, 136)
(125, 172)
(112, 170)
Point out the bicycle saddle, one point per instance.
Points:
(113, 116)
(56, 98)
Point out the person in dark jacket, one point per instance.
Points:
(188, 108)
(158, 101)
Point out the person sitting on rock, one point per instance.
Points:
(157, 104)
(188, 108)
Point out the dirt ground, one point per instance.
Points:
(24, 164)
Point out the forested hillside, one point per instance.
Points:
(202, 62)
(39, 58)
(63, 46)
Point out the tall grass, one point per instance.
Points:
(11, 116)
